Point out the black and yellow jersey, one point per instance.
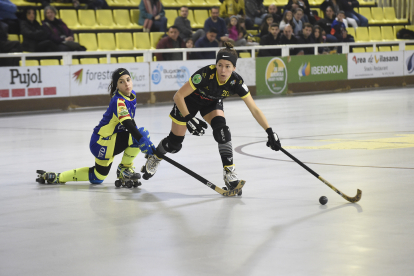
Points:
(208, 89)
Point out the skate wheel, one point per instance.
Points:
(40, 172)
(136, 184)
(40, 180)
(225, 188)
(142, 169)
(118, 183)
(129, 184)
(146, 156)
(240, 193)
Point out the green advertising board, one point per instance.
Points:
(271, 76)
(310, 68)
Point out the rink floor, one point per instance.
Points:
(174, 225)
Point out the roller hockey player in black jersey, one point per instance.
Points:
(204, 93)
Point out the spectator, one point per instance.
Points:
(214, 21)
(272, 38)
(305, 37)
(320, 38)
(326, 24)
(58, 32)
(347, 37)
(152, 16)
(184, 26)
(35, 39)
(338, 26)
(297, 16)
(236, 32)
(209, 40)
(304, 5)
(336, 8)
(287, 19)
(264, 28)
(272, 10)
(232, 7)
(8, 17)
(172, 40)
(255, 11)
(348, 7)
(7, 46)
(189, 43)
(289, 38)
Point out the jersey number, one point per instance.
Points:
(225, 93)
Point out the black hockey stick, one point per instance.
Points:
(350, 199)
(236, 191)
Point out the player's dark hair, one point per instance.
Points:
(212, 30)
(114, 80)
(112, 89)
(229, 49)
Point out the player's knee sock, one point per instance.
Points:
(129, 155)
(80, 174)
(222, 135)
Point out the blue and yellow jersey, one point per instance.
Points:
(120, 108)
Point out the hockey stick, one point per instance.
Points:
(236, 191)
(350, 199)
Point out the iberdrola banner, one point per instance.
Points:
(271, 76)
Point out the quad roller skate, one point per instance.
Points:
(151, 166)
(44, 177)
(230, 178)
(127, 177)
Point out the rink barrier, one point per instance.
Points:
(73, 86)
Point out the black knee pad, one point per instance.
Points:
(221, 132)
(172, 143)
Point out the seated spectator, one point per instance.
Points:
(264, 28)
(287, 19)
(236, 32)
(214, 21)
(272, 10)
(172, 40)
(347, 37)
(297, 16)
(8, 17)
(189, 43)
(209, 40)
(58, 32)
(152, 16)
(272, 38)
(289, 38)
(318, 36)
(305, 37)
(304, 5)
(326, 24)
(7, 46)
(348, 7)
(35, 39)
(334, 4)
(184, 26)
(338, 26)
(255, 11)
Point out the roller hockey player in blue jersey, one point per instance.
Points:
(204, 93)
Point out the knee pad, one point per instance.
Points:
(172, 143)
(95, 177)
(221, 132)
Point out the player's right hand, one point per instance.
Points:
(195, 126)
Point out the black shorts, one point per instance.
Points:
(194, 108)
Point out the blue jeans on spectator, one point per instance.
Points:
(331, 39)
(361, 20)
(160, 25)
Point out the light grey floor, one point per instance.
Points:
(174, 225)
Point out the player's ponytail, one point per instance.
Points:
(227, 53)
(111, 89)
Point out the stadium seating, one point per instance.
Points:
(201, 16)
(351, 31)
(124, 41)
(409, 47)
(245, 55)
(384, 49)
(171, 4)
(387, 33)
(395, 48)
(141, 41)
(375, 33)
(154, 38)
(199, 3)
(126, 60)
(87, 19)
(140, 59)
(377, 15)
(389, 14)
(362, 34)
(134, 18)
(106, 42)
(47, 62)
(70, 17)
(105, 19)
(13, 37)
(194, 23)
(75, 61)
(122, 19)
(365, 11)
(171, 15)
(358, 50)
(104, 60)
(88, 61)
(367, 2)
(369, 49)
(30, 62)
(89, 41)
(396, 29)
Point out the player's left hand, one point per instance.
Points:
(273, 141)
(195, 126)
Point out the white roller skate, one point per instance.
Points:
(230, 178)
(44, 177)
(151, 166)
(127, 177)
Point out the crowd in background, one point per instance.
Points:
(298, 24)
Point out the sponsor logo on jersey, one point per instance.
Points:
(101, 152)
(211, 76)
(233, 82)
(196, 79)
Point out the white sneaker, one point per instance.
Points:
(150, 167)
(230, 177)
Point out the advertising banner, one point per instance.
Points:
(94, 79)
(310, 68)
(408, 63)
(375, 65)
(34, 82)
(271, 75)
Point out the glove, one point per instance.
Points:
(273, 141)
(195, 126)
(145, 144)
